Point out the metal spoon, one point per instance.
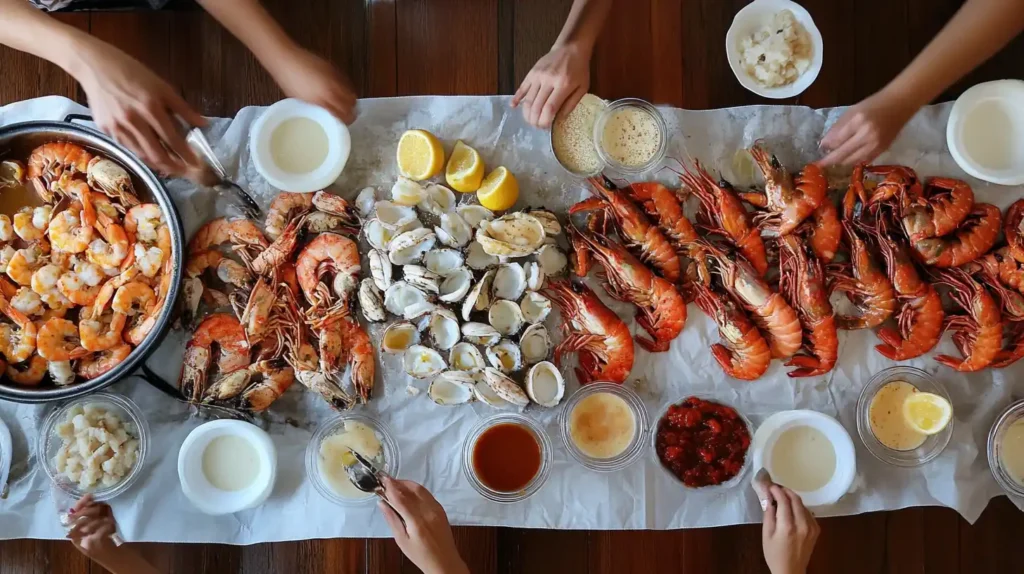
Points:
(216, 176)
(366, 477)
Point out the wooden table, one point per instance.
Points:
(666, 51)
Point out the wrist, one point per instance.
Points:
(579, 45)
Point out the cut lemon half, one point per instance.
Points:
(927, 413)
(420, 155)
(499, 190)
(465, 170)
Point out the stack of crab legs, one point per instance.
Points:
(766, 275)
(274, 305)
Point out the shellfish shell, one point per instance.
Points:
(473, 214)
(551, 260)
(455, 286)
(437, 199)
(535, 343)
(398, 337)
(370, 301)
(402, 295)
(421, 278)
(452, 388)
(479, 297)
(466, 357)
(411, 246)
(407, 192)
(509, 282)
(444, 329)
(505, 356)
(453, 231)
(380, 268)
(535, 307)
(444, 262)
(422, 362)
(545, 384)
(479, 259)
(505, 387)
(480, 333)
(512, 235)
(505, 316)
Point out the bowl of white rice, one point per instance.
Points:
(774, 48)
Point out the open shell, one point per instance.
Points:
(535, 307)
(480, 333)
(505, 356)
(402, 295)
(407, 192)
(421, 278)
(466, 357)
(398, 337)
(423, 362)
(509, 282)
(551, 259)
(444, 262)
(535, 343)
(411, 246)
(444, 329)
(479, 259)
(534, 275)
(485, 394)
(370, 301)
(380, 268)
(505, 316)
(453, 231)
(548, 220)
(394, 216)
(456, 285)
(479, 298)
(512, 235)
(545, 384)
(378, 235)
(364, 202)
(474, 214)
(505, 387)
(437, 199)
(452, 388)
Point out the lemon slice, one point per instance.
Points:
(499, 190)
(465, 169)
(420, 155)
(927, 413)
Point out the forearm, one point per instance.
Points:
(250, 22)
(127, 561)
(584, 24)
(978, 30)
(29, 30)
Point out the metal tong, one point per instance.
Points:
(365, 476)
(216, 176)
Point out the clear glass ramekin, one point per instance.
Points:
(335, 425)
(641, 426)
(538, 479)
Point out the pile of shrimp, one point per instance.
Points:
(271, 304)
(765, 263)
(85, 274)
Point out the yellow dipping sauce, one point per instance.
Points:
(803, 459)
(1011, 451)
(886, 417)
(298, 145)
(230, 463)
(602, 425)
(358, 437)
(631, 136)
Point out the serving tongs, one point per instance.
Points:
(365, 476)
(216, 176)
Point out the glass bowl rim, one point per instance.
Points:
(543, 441)
(659, 119)
(329, 427)
(642, 426)
(1007, 417)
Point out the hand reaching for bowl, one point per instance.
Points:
(866, 130)
(92, 530)
(557, 80)
(420, 527)
(789, 531)
(304, 75)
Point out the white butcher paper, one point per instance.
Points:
(430, 437)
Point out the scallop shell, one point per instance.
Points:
(479, 297)
(466, 357)
(480, 333)
(505, 387)
(444, 262)
(411, 246)
(534, 275)
(437, 199)
(505, 316)
(398, 337)
(452, 388)
(364, 202)
(535, 307)
(453, 231)
(380, 268)
(505, 356)
(370, 301)
(422, 362)
(421, 278)
(512, 235)
(479, 259)
(545, 384)
(509, 282)
(551, 260)
(547, 219)
(444, 329)
(394, 216)
(474, 214)
(407, 192)
(455, 286)
(401, 295)
(535, 343)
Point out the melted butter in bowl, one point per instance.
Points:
(602, 425)
(358, 437)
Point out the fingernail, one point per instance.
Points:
(764, 504)
(72, 511)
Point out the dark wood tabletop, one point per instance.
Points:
(666, 51)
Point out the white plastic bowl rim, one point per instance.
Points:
(751, 18)
(1011, 94)
(339, 144)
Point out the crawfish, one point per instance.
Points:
(725, 214)
(978, 334)
(661, 310)
(803, 281)
(790, 200)
(972, 239)
(645, 239)
(594, 331)
(1001, 265)
(942, 207)
(900, 186)
(825, 231)
(744, 353)
(1013, 228)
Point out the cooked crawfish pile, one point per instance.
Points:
(270, 305)
(766, 274)
(87, 272)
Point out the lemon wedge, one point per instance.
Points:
(927, 413)
(420, 155)
(499, 190)
(465, 169)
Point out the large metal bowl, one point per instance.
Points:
(16, 141)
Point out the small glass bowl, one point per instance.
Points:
(333, 426)
(933, 444)
(715, 488)
(1008, 417)
(579, 174)
(659, 120)
(538, 479)
(641, 426)
(48, 443)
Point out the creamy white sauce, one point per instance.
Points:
(803, 459)
(1011, 451)
(230, 463)
(993, 134)
(298, 145)
(358, 437)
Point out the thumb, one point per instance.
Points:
(394, 521)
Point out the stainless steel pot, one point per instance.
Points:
(20, 139)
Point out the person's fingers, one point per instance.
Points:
(784, 509)
(554, 103)
(180, 107)
(865, 154)
(341, 108)
(799, 512)
(399, 496)
(844, 150)
(152, 151)
(841, 131)
(170, 133)
(770, 518)
(530, 100)
(82, 503)
(573, 100)
(543, 94)
(524, 88)
(393, 520)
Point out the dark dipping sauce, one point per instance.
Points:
(506, 457)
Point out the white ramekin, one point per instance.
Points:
(339, 144)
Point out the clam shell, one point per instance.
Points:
(398, 337)
(480, 333)
(535, 307)
(512, 235)
(364, 202)
(535, 343)
(421, 278)
(466, 357)
(378, 235)
(422, 362)
(380, 268)
(411, 246)
(548, 220)
(452, 388)
(485, 394)
(551, 259)
(534, 275)
(505, 387)
(453, 231)
(407, 192)
(479, 259)
(455, 286)
(370, 301)
(505, 316)
(402, 295)
(394, 216)
(545, 384)
(417, 310)
(437, 199)
(444, 262)
(444, 329)
(509, 282)
(479, 297)
(474, 214)
(505, 356)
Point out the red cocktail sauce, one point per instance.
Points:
(506, 457)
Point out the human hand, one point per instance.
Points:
(308, 77)
(866, 130)
(93, 528)
(426, 537)
(789, 532)
(137, 108)
(559, 79)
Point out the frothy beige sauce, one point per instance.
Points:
(230, 463)
(631, 136)
(1011, 451)
(803, 459)
(358, 437)
(602, 425)
(886, 417)
(298, 145)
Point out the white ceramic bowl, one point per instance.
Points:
(339, 144)
(750, 19)
(992, 113)
(846, 456)
(197, 487)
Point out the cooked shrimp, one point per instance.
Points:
(103, 332)
(142, 221)
(592, 330)
(6, 228)
(30, 223)
(58, 341)
(75, 288)
(803, 281)
(132, 298)
(113, 180)
(944, 205)
(978, 334)
(970, 241)
(100, 363)
(328, 252)
(825, 231)
(744, 354)
(242, 232)
(225, 331)
(61, 372)
(6, 254)
(148, 260)
(27, 301)
(18, 341)
(359, 356)
(280, 250)
(53, 159)
(28, 373)
(283, 209)
(276, 377)
(789, 200)
(68, 232)
(24, 264)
